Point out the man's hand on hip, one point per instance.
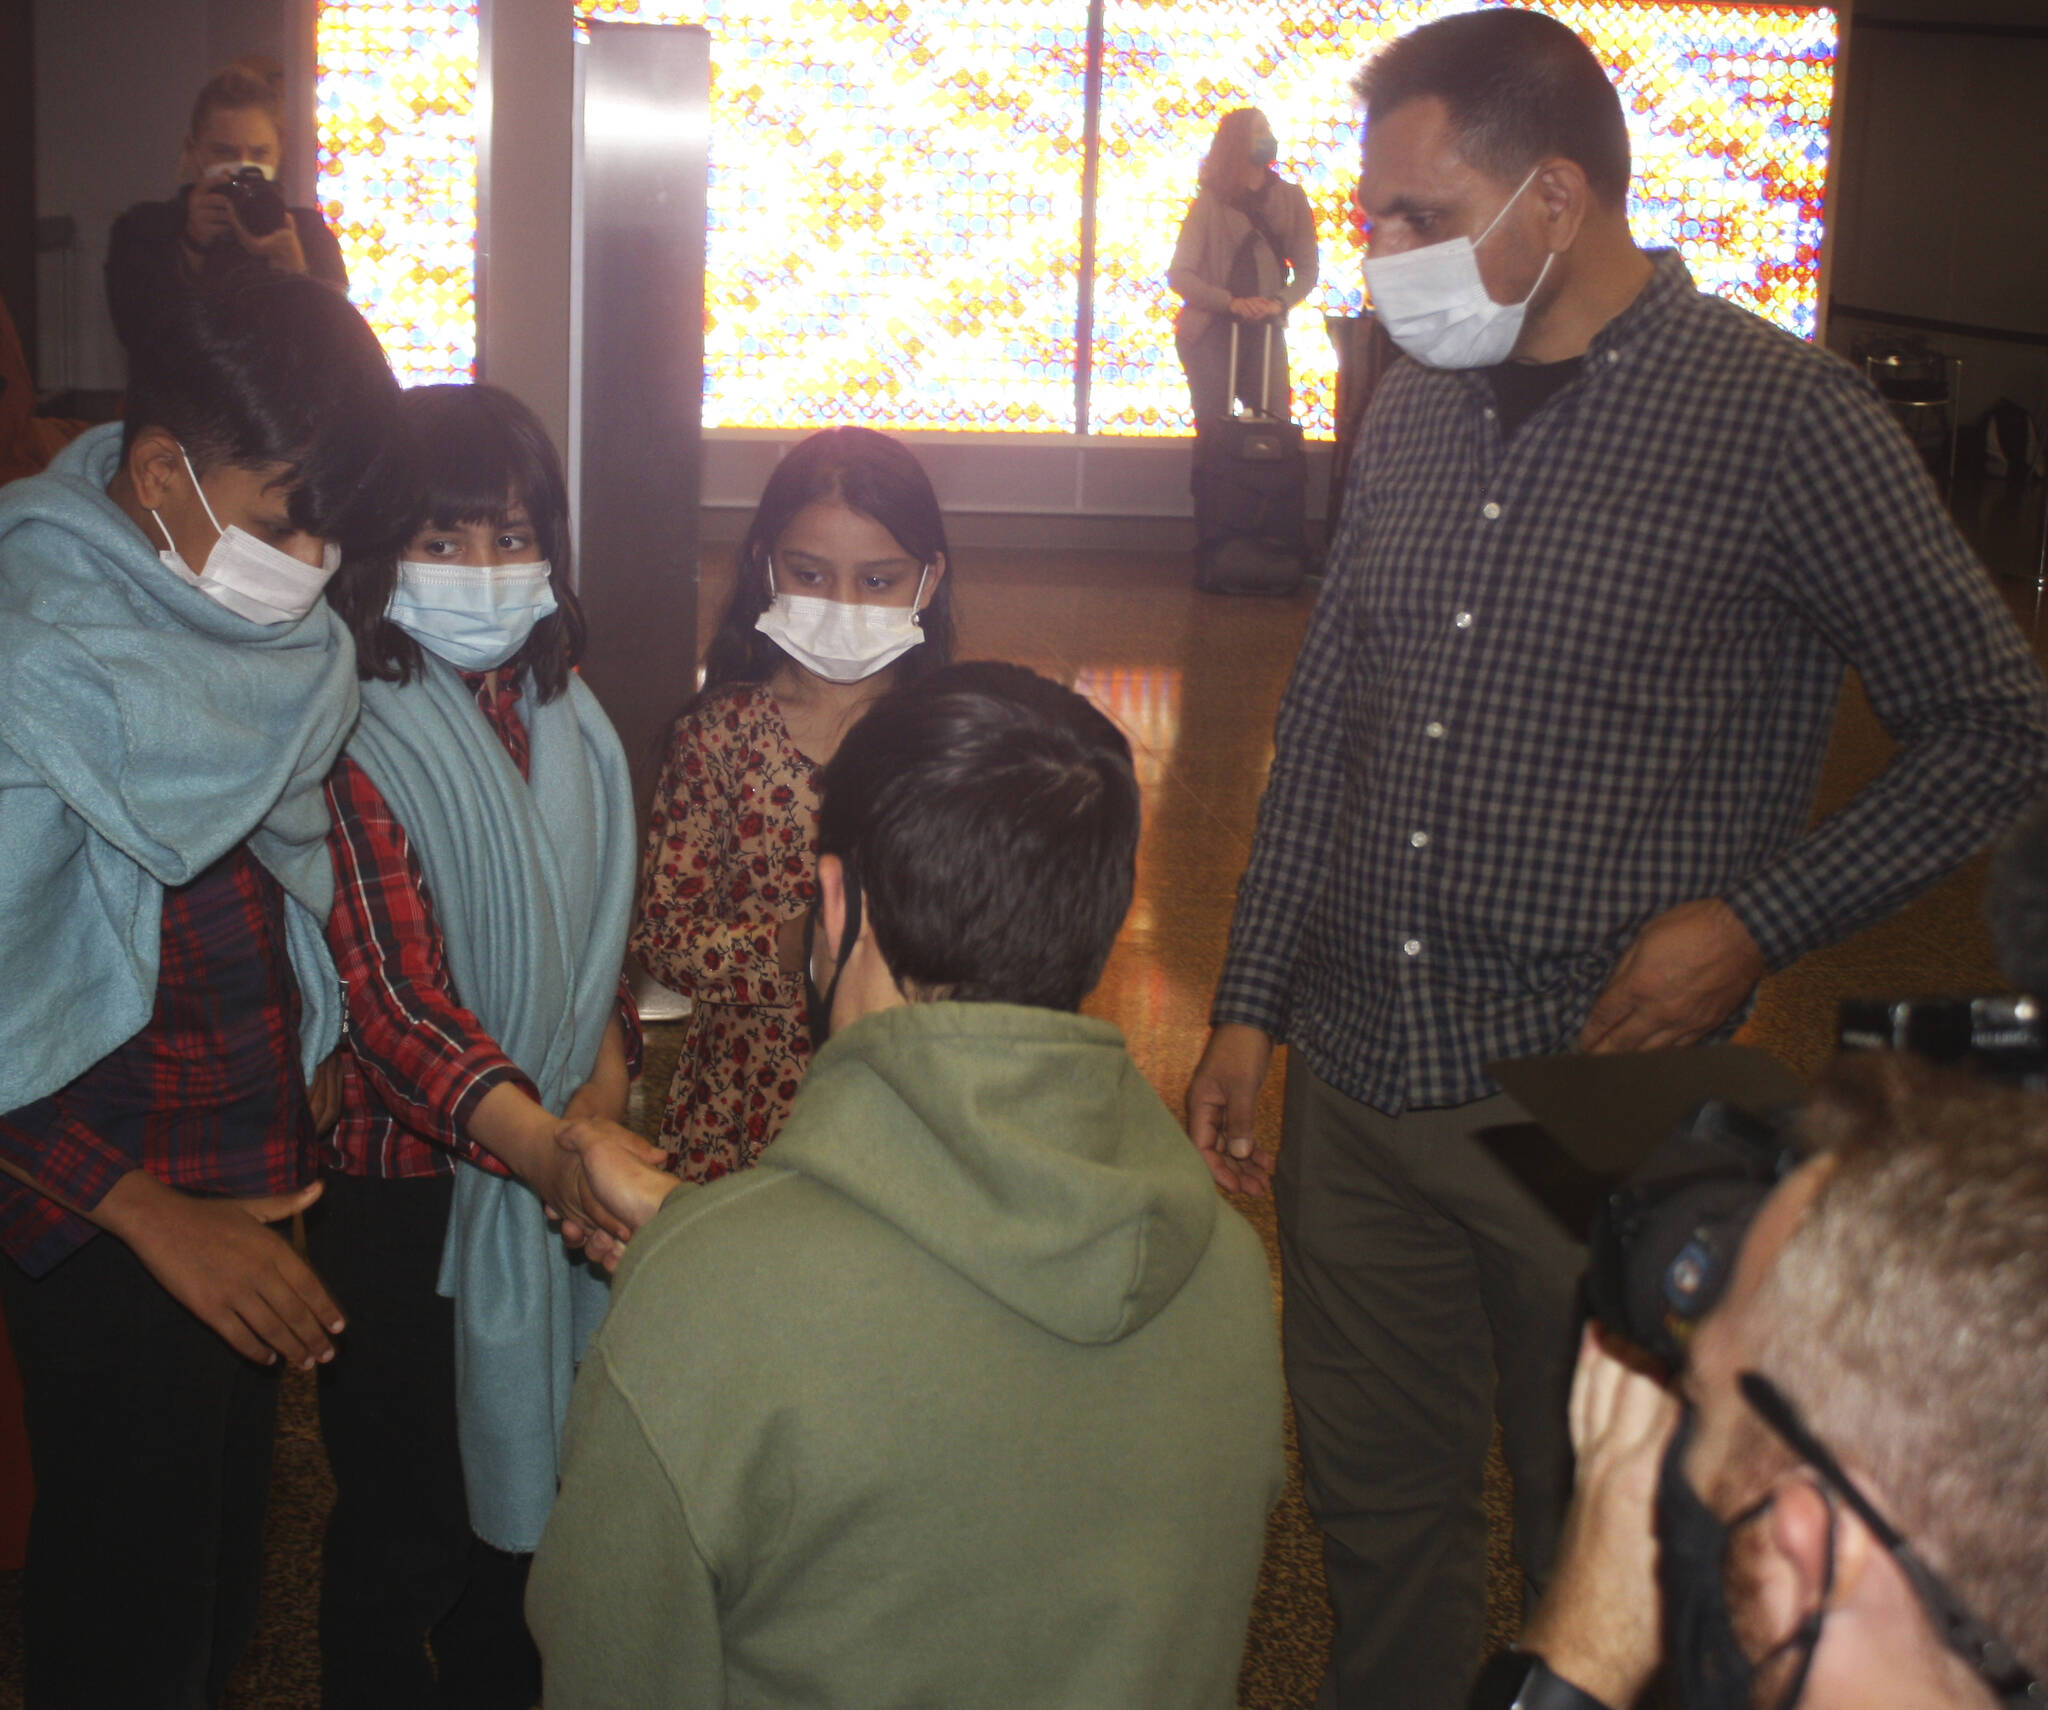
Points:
(1223, 1103)
(1680, 979)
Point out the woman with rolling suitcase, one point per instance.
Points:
(1245, 256)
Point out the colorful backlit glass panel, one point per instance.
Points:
(397, 174)
(1728, 115)
(895, 210)
(896, 184)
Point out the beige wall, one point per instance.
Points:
(114, 86)
(1942, 187)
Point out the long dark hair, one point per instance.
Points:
(866, 472)
(473, 451)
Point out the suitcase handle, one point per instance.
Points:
(1265, 372)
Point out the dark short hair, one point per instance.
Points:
(469, 450)
(991, 820)
(1520, 88)
(238, 85)
(867, 472)
(279, 369)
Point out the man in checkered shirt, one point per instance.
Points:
(1542, 781)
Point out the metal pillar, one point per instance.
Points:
(646, 143)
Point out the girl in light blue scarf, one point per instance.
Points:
(483, 847)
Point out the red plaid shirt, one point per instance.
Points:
(207, 1098)
(418, 1063)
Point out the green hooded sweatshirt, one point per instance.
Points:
(969, 1394)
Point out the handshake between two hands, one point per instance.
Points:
(608, 1183)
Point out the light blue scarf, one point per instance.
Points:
(532, 885)
(144, 732)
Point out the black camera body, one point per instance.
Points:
(1664, 1242)
(1664, 1245)
(2003, 1036)
(257, 202)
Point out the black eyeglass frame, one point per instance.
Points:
(1989, 1657)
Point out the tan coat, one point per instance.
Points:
(1209, 240)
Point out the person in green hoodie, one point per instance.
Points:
(969, 1393)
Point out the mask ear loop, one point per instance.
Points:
(917, 599)
(201, 491)
(819, 1004)
(1509, 203)
(1806, 1636)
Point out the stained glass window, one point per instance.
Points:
(895, 210)
(896, 192)
(1728, 117)
(397, 175)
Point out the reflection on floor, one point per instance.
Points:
(1195, 682)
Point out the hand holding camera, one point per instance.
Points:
(240, 204)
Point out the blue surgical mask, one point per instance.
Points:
(473, 617)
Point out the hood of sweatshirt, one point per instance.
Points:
(1019, 1147)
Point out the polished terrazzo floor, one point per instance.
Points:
(1194, 681)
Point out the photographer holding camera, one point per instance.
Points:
(228, 218)
(1842, 1506)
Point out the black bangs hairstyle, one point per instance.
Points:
(280, 371)
(867, 472)
(472, 450)
(1518, 86)
(990, 819)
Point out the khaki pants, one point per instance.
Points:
(1422, 1287)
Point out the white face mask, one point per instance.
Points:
(250, 577)
(228, 168)
(1434, 305)
(473, 617)
(838, 642)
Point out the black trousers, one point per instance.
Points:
(150, 1439)
(415, 1610)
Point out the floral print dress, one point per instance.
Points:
(731, 854)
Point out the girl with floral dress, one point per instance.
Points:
(841, 593)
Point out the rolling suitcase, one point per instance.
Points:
(1250, 486)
